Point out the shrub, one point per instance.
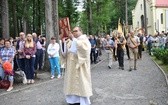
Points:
(161, 54)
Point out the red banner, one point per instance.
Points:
(64, 27)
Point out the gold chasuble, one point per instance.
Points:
(78, 74)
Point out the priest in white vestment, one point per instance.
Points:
(77, 83)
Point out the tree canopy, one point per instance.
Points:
(105, 15)
(29, 15)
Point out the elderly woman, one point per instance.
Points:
(6, 55)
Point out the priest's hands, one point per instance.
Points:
(71, 35)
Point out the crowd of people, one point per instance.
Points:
(74, 54)
(25, 52)
(159, 40)
(133, 44)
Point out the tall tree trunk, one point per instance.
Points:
(48, 20)
(55, 19)
(5, 19)
(97, 14)
(49, 25)
(39, 18)
(24, 26)
(89, 14)
(20, 25)
(15, 19)
(34, 16)
(25, 16)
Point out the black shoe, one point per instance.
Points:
(119, 67)
(109, 67)
(95, 62)
(122, 68)
(130, 69)
(135, 68)
(35, 74)
(75, 104)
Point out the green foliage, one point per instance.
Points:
(105, 14)
(161, 54)
(67, 8)
(34, 14)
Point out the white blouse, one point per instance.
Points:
(53, 49)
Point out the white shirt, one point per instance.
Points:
(53, 49)
(73, 47)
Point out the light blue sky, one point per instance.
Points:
(80, 7)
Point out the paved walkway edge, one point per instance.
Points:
(97, 64)
(23, 88)
(165, 75)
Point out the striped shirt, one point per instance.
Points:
(7, 53)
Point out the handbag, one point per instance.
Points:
(4, 84)
(20, 77)
(19, 74)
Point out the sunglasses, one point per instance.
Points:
(75, 31)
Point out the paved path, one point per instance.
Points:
(110, 87)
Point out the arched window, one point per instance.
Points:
(161, 18)
(142, 21)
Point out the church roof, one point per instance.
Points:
(161, 3)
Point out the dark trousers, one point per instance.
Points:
(127, 50)
(114, 54)
(97, 53)
(93, 56)
(29, 67)
(140, 51)
(21, 63)
(149, 47)
(15, 66)
(39, 59)
(120, 56)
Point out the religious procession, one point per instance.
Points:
(84, 52)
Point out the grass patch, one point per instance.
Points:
(160, 63)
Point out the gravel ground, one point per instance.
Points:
(145, 86)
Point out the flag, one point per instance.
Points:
(119, 26)
(120, 30)
(64, 27)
